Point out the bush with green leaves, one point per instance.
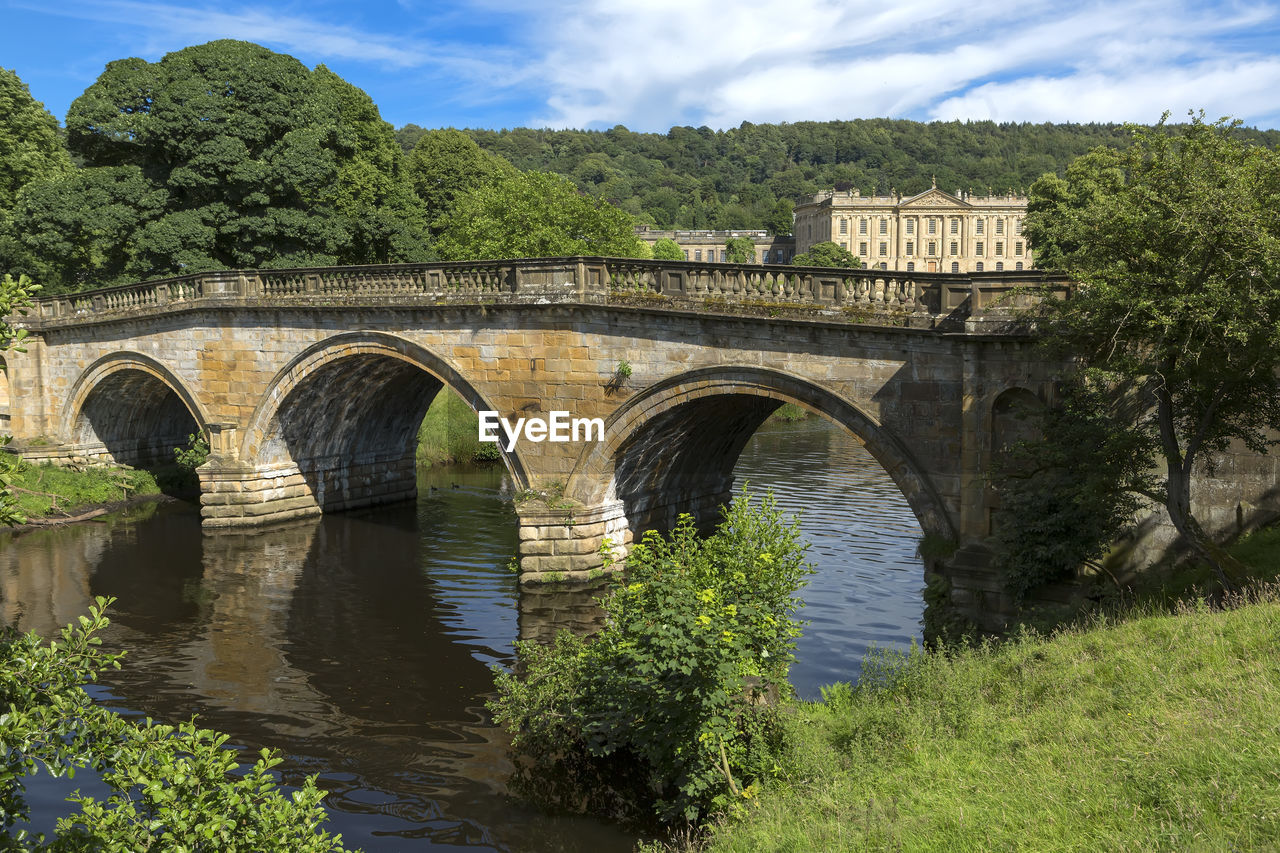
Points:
(173, 788)
(666, 710)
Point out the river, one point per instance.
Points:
(360, 644)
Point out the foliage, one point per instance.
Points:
(220, 155)
(736, 178)
(450, 432)
(623, 369)
(30, 152)
(827, 254)
(1068, 494)
(15, 298)
(667, 249)
(740, 250)
(531, 215)
(662, 705)
(1175, 245)
(444, 165)
(173, 788)
(1150, 733)
(195, 454)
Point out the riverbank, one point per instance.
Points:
(1158, 732)
(47, 495)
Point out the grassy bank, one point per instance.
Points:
(44, 491)
(450, 433)
(1156, 733)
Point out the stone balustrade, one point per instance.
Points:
(863, 295)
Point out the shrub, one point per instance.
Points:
(664, 709)
(173, 788)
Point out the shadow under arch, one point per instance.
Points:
(672, 447)
(349, 407)
(130, 408)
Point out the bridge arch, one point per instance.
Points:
(672, 447)
(128, 407)
(349, 407)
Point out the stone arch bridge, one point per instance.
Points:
(310, 385)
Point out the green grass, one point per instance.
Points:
(789, 413)
(44, 490)
(1157, 733)
(450, 433)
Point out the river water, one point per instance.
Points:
(360, 644)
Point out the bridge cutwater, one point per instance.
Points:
(310, 385)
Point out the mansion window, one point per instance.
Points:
(777, 256)
(844, 226)
(724, 256)
(977, 267)
(999, 266)
(884, 250)
(1017, 227)
(697, 255)
(978, 226)
(933, 248)
(686, 254)
(955, 226)
(1018, 265)
(999, 249)
(955, 266)
(999, 226)
(911, 248)
(933, 226)
(978, 248)
(884, 227)
(955, 247)
(862, 226)
(1017, 248)
(911, 266)
(911, 226)
(862, 249)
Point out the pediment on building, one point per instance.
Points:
(933, 197)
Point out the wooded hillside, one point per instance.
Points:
(746, 176)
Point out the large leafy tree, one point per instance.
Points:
(1174, 243)
(30, 152)
(229, 155)
(446, 164)
(532, 215)
(827, 254)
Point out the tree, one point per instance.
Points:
(827, 254)
(1174, 245)
(667, 249)
(226, 155)
(532, 215)
(782, 217)
(30, 152)
(740, 250)
(445, 165)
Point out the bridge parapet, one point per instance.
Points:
(861, 295)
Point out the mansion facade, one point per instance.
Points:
(933, 231)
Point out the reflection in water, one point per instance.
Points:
(359, 644)
(868, 586)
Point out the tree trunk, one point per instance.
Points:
(1229, 571)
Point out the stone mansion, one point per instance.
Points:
(932, 231)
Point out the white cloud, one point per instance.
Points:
(701, 62)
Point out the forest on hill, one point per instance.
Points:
(749, 176)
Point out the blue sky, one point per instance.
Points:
(651, 65)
